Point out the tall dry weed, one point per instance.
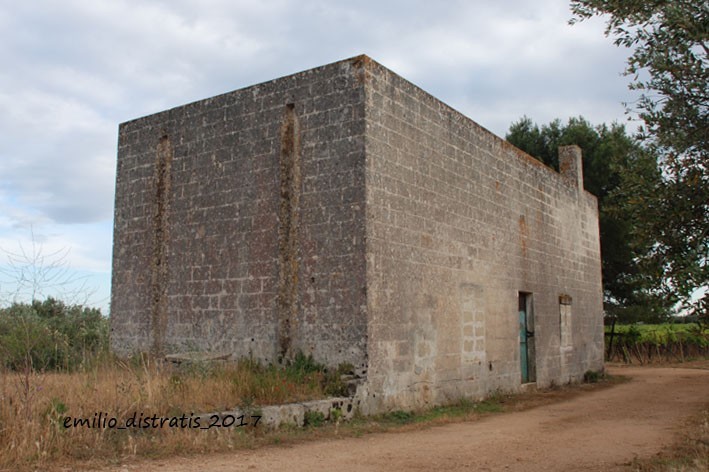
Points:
(37, 410)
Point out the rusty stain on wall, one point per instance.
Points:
(288, 231)
(360, 65)
(523, 234)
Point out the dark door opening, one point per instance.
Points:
(526, 338)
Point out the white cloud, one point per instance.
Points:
(59, 158)
(73, 70)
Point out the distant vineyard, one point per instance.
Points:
(656, 343)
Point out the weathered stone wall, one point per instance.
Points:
(239, 223)
(346, 213)
(459, 222)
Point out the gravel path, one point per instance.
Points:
(601, 430)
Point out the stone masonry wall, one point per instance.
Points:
(239, 223)
(344, 212)
(459, 222)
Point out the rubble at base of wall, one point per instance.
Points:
(293, 414)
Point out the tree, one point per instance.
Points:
(670, 54)
(618, 171)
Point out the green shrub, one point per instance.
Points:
(50, 335)
(302, 365)
(592, 376)
(314, 418)
(305, 370)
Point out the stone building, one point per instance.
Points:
(344, 212)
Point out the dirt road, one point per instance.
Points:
(602, 430)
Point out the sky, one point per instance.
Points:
(72, 71)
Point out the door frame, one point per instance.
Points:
(525, 333)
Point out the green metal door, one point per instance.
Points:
(523, 352)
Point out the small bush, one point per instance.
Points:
(303, 365)
(592, 376)
(336, 414)
(314, 418)
(333, 385)
(305, 370)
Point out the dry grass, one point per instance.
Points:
(32, 436)
(34, 406)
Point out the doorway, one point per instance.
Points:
(526, 338)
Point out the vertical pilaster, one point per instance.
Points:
(159, 266)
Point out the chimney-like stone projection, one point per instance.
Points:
(571, 164)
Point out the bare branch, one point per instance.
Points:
(30, 273)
